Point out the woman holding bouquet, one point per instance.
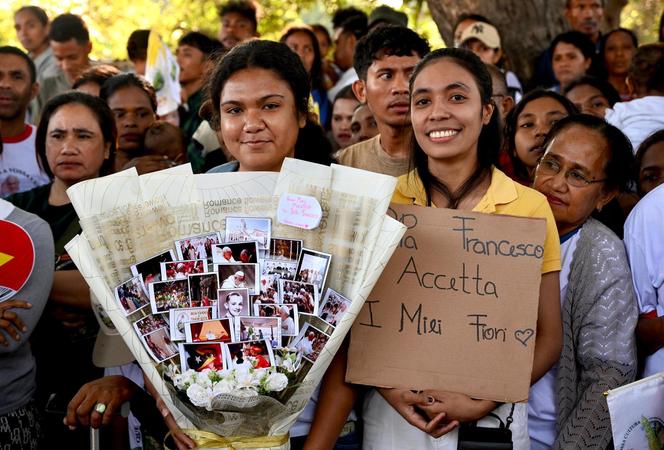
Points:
(454, 151)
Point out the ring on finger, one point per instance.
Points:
(100, 408)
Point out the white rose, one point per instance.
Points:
(246, 380)
(276, 382)
(223, 387)
(185, 380)
(199, 395)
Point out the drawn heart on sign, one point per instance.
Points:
(524, 335)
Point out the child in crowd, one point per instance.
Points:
(163, 138)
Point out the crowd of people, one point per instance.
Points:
(580, 144)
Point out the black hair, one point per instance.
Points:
(345, 92)
(606, 88)
(649, 142)
(137, 45)
(9, 50)
(342, 15)
(101, 112)
(68, 26)
(97, 75)
(511, 125)
(36, 11)
(355, 25)
(388, 40)
(620, 149)
(322, 29)
(647, 67)
(246, 9)
(207, 45)
(488, 143)
(316, 74)
(312, 144)
(471, 16)
(125, 80)
(578, 40)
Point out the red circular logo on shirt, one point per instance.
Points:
(17, 258)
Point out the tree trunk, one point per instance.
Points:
(526, 26)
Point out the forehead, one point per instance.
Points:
(26, 16)
(566, 47)
(393, 62)
(234, 17)
(583, 91)
(362, 113)
(654, 154)
(619, 36)
(580, 145)
(184, 48)
(74, 115)
(129, 97)
(443, 72)
(67, 47)
(577, 3)
(543, 105)
(9, 62)
(252, 84)
(299, 37)
(346, 105)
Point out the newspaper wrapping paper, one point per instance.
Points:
(126, 218)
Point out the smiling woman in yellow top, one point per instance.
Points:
(456, 141)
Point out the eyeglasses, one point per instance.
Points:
(573, 177)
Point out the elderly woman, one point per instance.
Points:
(581, 171)
(75, 141)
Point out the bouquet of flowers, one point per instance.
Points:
(234, 291)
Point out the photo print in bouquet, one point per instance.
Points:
(237, 276)
(159, 345)
(256, 328)
(245, 229)
(299, 293)
(250, 355)
(234, 303)
(219, 330)
(333, 307)
(131, 295)
(285, 249)
(150, 269)
(312, 267)
(310, 342)
(179, 270)
(165, 295)
(203, 289)
(177, 318)
(148, 324)
(199, 357)
(235, 252)
(287, 313)
(197, 247)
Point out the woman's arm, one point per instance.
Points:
(549, 338)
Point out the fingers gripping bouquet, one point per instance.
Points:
(234, 291)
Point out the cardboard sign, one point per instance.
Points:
(301, 211)
(17, 258)
(456, 307)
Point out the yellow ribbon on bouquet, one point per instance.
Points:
(205, 439)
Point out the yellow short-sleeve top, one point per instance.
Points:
(504, 196)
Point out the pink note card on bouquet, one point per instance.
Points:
(301, 211)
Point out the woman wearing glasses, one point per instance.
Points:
(583, 169)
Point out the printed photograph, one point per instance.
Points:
(312, 267)
(285, 270)
(235, 252)
(287, 313)
(237, 276)
(165, 295)
(159, 345)
(234, 303)
(177, 318)
(131, 295)
(179, 270)
(253, 328)
(269, 290)
(220, 330)
(149, 324)
(310, 342)
(197, 247)
(150, 269)
(203, 289)
(198, 356)
(333, 307)
(285, 249)
(299, 293)
(250, 354)
(245, 229)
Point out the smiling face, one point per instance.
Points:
(386, 89)
(133, 116)
(618, 52)
(75, 147)
(234, 304)
(447, 112)
(588, 100)
(259, 119)
(580, 151)
(532, 125)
